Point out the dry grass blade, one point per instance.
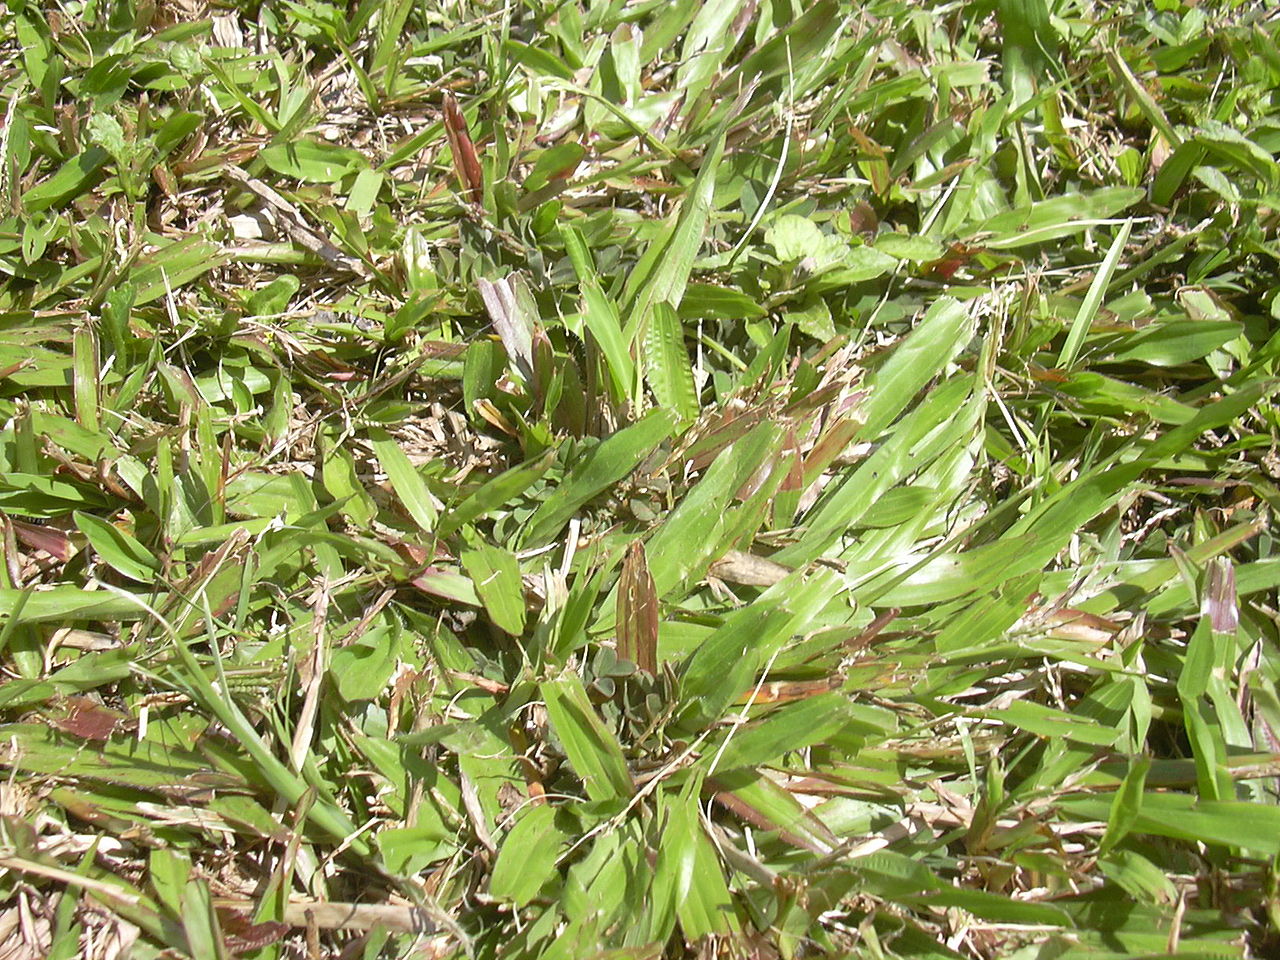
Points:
(295, 223)
(638, 613)
(329, 915)
(514, 329)
(748, 569)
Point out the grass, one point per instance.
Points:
(636, 479)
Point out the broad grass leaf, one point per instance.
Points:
(947, 576)
(1054, 724)
(897, 506)
(145, 765)
(1100, 395)
(725, 664)
(33, 366)
(720, 303)
(667, 368)
(405, 480)
(997, 908)
(601, 315)
(70, 180)
(68, 603)
(1233, 149)
(987, 619)
(604, 465)
(1139, 877)
(555, 163)
(941, 334)
(1175, 343)
(766, 805)
(1173, 173)
(174, 130)
(688, 878)
(448, 585)
(590, 746)
(707, 44)
(802, 42)
(1208, 749)
(536, 60)
(1211, 416)
(1028, 41)
(1093, 299)
(86, 378)
(1181, 816)
(173, 265)
(527, 858)
(118, 548)
(692, 535)
(168, 871)
(612, 881)
(342, 482)
(39, 495)
(495, 494)
(1055, 217)
(661, 275)
(1032, 542)
(944, 420)
(312, 161)
(893, 875)
(1142, 99)
(1126, 805)
(789, 727)
(200, 921)
(326, 814)
(568, 628)
(496, 575)
(1198, 662)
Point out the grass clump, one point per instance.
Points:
(638, 480)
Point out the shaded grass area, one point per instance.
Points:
(638, 479)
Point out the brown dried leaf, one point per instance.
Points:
(52, 541)
(89, 720)
(465, 160)
(638, 611)
(748, 570)
(244, 935)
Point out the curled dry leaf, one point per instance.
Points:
(465, 160)
(748, 570)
